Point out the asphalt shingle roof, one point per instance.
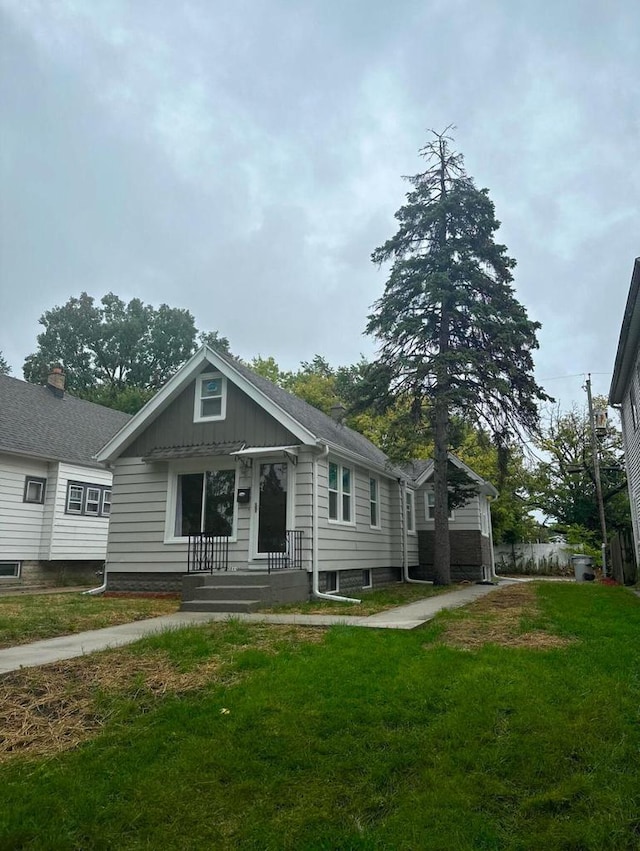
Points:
(318, 423)
(36, 422)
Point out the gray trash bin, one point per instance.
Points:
(583, 568)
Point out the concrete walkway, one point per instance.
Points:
(70, 646)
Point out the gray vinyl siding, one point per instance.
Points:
(20, 523)
(631, 439)
(465, 517)
(344, 546)
(245, 420)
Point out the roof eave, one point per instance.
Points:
(628, 341)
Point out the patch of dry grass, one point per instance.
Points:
(39, 616)
(52, 708)
(498, 619)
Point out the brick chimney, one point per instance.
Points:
(56, 381)
(338, 411)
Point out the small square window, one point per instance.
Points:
(34, 490)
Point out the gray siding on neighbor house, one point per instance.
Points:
(245, 421)
(465, 517)
(631, 440)
(344, 546)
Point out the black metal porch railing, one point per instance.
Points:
(290, 555)
(207, 553)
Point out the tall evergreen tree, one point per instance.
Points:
(5, 369)
(453, 336)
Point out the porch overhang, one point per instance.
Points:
(291, 452)
(204, 450)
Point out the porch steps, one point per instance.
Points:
(242, 592)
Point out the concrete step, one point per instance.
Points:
(222, 606)
(233, 592)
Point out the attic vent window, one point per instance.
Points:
(210, 398)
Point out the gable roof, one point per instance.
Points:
(629, 340)
(308, 424)
(421, 471)
(35, 422)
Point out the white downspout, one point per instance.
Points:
(314, 549)
(95, 591)
(405, 536)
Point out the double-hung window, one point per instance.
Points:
(374, 502)
(410, 509)
(340, 493)
(210, 397)
(205, 503)
(634, 408)
(88, 499)
(430, 505)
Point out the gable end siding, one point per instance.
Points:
(245, 421)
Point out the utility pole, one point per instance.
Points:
(596, 475)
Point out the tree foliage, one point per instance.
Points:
(453, 338)
(113, 352)
(5, 369)
(563, 485)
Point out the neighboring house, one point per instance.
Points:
(625, 395)
(470, 531)
(223, 469)
(55, 498)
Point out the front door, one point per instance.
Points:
(271, 508)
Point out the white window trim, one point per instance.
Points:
(430, 492)
(17, 570)
(352, 494)
(370, 572)
(410, 497)
(85, 487)
(34, 480)
(200, 465)
(335, 590)
(197, 401)
(378, 525)
(104, 501)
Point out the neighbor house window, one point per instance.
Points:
(411, 514)
(374, 502)
(340, 493)
(634, 408)
(9, 569)
(430, 505)
(484, 516)
(88, 499)
(210, 397)
(34, 489)
(205, 503)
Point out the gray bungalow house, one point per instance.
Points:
(225, 472)
(55, 499)
(624, 394)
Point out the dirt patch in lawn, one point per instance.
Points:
(55, 707)
(498, 619)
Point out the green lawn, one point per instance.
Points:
(371, 602)
(31, 617)
(246, 736)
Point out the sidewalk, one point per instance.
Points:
(70, 646)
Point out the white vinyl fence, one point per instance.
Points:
(544, 559)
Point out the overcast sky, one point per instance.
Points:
(243, 160)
